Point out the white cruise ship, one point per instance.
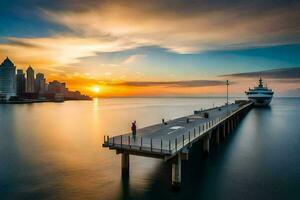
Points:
(260, 95)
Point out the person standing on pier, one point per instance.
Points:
(133, 129)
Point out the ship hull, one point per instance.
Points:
(261, 101)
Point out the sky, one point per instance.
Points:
(156, 47)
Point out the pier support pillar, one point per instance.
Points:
(206, 145)
(176, 173)
(228, 126)
(235, 121)
(234, 124)
(224, 131)
(125, 164)
(218, 135)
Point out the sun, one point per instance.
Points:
(96, 89)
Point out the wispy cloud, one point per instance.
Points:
(283, 73)
(185, 27)
(15, 42)
(59, 50)
(186, 83)
(134, 58)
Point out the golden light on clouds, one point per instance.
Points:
(58, 50)
(144, 24)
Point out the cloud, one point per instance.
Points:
(187, 83)
(184, 27)
(107, 73)
(20, 43)
(59, 50)
(134, 58)
(289, 74)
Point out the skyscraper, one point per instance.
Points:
(40, 83)
(7, 78)
(30, 80)
(21, 82)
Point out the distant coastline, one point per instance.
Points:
(30, 101)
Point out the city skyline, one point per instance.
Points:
(15, 87)
(162, 48)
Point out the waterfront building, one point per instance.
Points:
(7, 79)
(30, 80)
(46, 87)
(56, 87)
(75, 95)
(20, 82)
(40, 82)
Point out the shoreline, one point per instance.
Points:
(41, 101)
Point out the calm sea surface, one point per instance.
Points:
(53, 151)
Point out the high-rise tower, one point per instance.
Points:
(30, 80)
(7, 78)
(40, 83)
(21, 82)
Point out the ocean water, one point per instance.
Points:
(53, 151)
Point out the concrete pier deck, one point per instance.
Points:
(171, 140)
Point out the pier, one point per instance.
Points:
(172, 140)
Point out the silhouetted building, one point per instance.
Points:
(20, 82)
(40, 83)
(7, 79)
(75, 95)
(56, 87)
(46, 87)
(30, 95)
(30, 80)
